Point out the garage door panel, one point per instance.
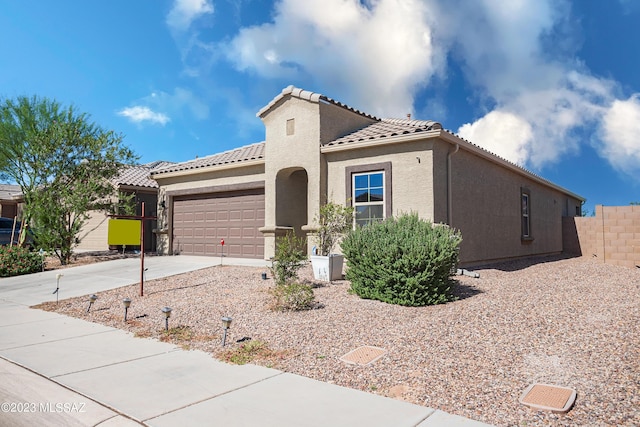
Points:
(199, 222)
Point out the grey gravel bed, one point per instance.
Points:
(569, 322)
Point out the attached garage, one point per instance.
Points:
(201, 221)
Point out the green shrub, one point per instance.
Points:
(406, 261)
(288, 259)
(17, 260)
(292, 296)
(288, 294)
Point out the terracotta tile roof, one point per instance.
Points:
(308, 96)
(242, 154)
(140, 175)
(386, 128)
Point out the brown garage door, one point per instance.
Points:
(199, 222)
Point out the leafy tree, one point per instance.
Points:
(63, 164)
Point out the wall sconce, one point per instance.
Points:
(167, 314)
(92, 299)
(127, 304)
(226, 323)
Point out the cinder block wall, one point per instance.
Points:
(612, 236)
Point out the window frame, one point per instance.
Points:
(385, 168)
(526, 233)
(356, 203)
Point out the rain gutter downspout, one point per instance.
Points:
(449, 192)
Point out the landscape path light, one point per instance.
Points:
(226, 323)
(92, 299)
(127, 304)
(167, 314)
(58, 276)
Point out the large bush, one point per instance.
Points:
(404, 260)
(17, 260)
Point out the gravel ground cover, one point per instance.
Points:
(569, 322)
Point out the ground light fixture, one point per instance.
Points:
(226, 323)
(127, 303)
(167, 314)
(57, 291)
(92, 299)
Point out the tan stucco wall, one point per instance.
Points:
(336, 122)
(486, 203)
(212, 180)
(94, 233)
(411, 174)
(287, 153)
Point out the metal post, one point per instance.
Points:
(142, 251)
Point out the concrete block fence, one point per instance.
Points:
(612, 235)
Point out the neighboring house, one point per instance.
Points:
(134, 179)
(10, 201)
(317, 149)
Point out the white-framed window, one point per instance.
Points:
(368, 197)
(526, 214)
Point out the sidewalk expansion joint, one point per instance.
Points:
(57, 340)
(115, 363)
(86, 396)
(433, 411)
(214, 397)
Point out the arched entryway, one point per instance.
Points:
(291, 199)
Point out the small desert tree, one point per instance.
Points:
(63, 164)
(333, 221)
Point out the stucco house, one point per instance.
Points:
(132, 180)
(10, 200)
(318, 149)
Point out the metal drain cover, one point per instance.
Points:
(548, 397)
(363, 355)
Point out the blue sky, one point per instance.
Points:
(553, 85)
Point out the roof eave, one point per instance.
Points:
(452, 139)
(466, 145)
(214, 168)
(380, 141)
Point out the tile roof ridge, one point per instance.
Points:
(427, 124)
(310, 96)
(242, 147)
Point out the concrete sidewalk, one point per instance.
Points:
(68, 371)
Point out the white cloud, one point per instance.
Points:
(375, 55)
(507, 56)
(184, 12)
(620, 133)
(177, 101)
(534, 97)
(139, 114)
(502, 133)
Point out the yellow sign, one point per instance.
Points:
(124, 232)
